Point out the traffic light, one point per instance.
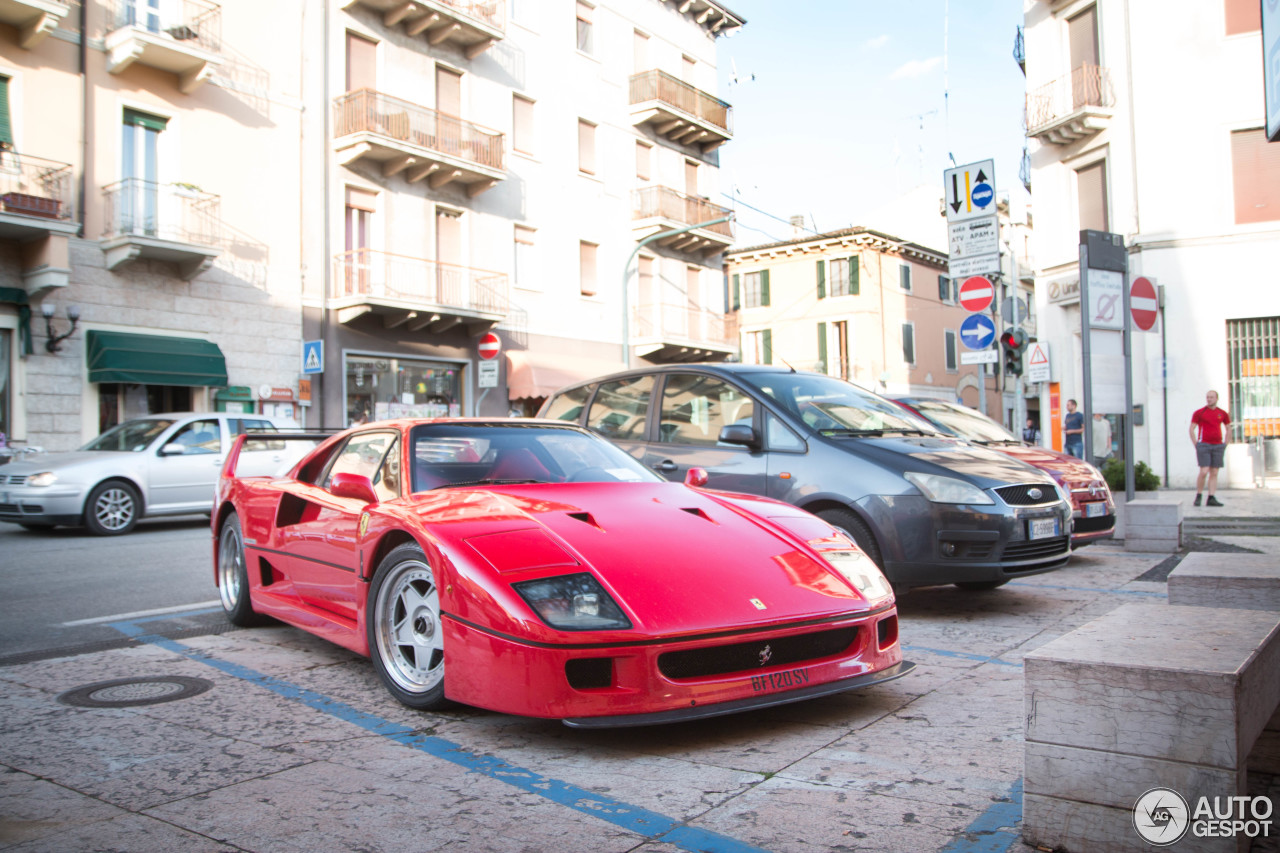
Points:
(1014, 344)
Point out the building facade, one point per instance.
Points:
(1110, 85)
(868, 307)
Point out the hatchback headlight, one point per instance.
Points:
(44, 478)
(947, 490)
(573, 603)
(858, 569)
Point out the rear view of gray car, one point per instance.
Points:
(927, 508)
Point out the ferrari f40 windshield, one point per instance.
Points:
(837, 407)
(454, 454)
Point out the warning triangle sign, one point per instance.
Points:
(1037, 355)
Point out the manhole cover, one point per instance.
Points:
(132, 692)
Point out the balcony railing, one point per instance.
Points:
(367, 111)
(491, 14)
(675, 322)
(34, 186)
(675, 93)
(669, 204)
(419, 282)
(193, 22)
(174, 212)
(1087, 86)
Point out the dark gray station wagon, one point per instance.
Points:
(929, 509)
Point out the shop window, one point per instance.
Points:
(379, 388)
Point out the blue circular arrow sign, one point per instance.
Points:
(977, 331)
(982, 195)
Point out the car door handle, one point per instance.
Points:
(665, 465)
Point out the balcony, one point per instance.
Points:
(470, 26)
(36, 211)
(1072, 107)
(182, 37)
(420, 143)
(666, 333)
(178, 223)
(417, 293)
(679, 112)
(657, 209)
(34, 19)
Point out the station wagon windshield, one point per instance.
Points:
(134, 436)
(835, 407)
(965, 422)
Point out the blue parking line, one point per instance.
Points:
(947, 653)
(651, 825)
(996, 830)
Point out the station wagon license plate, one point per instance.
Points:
(1095, 510)
(1042, 528)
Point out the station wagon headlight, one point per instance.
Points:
(573, 603)
(858, 569)
(44, 478)
(947, 490)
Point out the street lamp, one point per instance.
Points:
(626, 270)
(54, 343)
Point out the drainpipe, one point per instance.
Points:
(626, 301)
(84, 118)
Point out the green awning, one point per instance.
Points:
(154, 360)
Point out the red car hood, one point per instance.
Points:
(679, 560)
(1071, 469)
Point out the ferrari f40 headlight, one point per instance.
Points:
(573, 603)
(858, 569)
(44, 478)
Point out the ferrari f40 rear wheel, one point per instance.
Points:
(406, 637)
(233, 576)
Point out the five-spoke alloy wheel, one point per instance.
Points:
(406, 636)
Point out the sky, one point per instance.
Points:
(842, 106)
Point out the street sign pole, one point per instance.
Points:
(1019, 402)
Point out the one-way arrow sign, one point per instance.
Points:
(970, 190)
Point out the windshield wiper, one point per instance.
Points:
(991, 441)
(485, 483)
(852, 432)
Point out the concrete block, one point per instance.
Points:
(1151, 546)
(1051, 823)
(1153, 511)
(1195, 684)
(1245, 581)
(1117, 780)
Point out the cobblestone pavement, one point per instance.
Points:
(294, 746)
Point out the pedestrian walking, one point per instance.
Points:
(1073, 431)
(1101, 438)
(1031, 432)
(1208, 434)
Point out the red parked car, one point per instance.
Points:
(1093, 509)
(532, 568)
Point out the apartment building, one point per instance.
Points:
(493, 167)
(1146, 119)
(149, 217)
(860, 304)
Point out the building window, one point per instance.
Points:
(904, 277)
(755, 289)
(1255, 171)
(1091, 194)
(587, 267)
(844, 276)
(362, 63)
(6, 124)
(644, 154)
(758, 347)
(358, 260)
(1253, 378)
(586, 147)
(687, 66)
(949, 346)
(909, 343)
(1243, 16)
(522, 124)
(585, 15)
(842, 347)
(640, 52)
(526, 266)
(945, 293)
(382, 387)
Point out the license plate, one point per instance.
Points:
(1095, 510)
(1043, 528)
(779, 680)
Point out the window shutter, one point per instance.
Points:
(822, 345)
(822, 280)
(6, 126)
(764, 287)
(737, 293)
(150, 122)
(904, 277)
(944, 287)
(853, 276)
(767, 345)
(908, 343)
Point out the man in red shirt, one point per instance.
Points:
(1208, 434)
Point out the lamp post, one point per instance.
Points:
(626, 270)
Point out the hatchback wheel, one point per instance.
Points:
(112, 509)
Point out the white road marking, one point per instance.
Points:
(120, 617)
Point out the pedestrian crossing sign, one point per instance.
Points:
(313, 356)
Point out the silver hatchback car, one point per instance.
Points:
(163, 464)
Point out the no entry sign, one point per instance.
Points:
(1144, 305)
(490, 345)
(976, 293)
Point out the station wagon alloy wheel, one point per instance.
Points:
(407, 642)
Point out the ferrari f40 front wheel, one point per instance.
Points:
(406, 637)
